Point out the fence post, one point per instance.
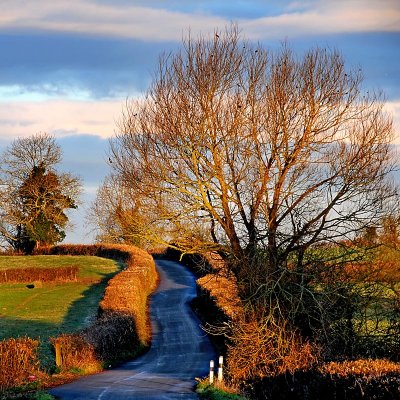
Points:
(220, 361)
(57, 347)
(211, 372)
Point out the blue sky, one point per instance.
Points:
(67, 66)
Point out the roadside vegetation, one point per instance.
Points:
(218, 391)
(105, 324)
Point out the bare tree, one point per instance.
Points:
(276, 161)
(34, 196)
(266, 149)
(118, 216)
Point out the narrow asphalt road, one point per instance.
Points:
(179, 353)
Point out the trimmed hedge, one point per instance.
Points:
(32, 274)
(315, 385)
(122, 327)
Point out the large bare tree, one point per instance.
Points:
(275, 160)
(265, 148)
(34, 195)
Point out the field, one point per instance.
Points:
(45, 309)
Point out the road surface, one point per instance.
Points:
(179, 353)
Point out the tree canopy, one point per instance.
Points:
(275, 160)
(264, 149)
(34, 196)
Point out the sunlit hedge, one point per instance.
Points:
(122, 327)
(32, 274)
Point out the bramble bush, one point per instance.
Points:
(18, 361)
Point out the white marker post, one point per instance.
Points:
(211, 372)
(220, 362)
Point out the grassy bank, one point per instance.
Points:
(117, 330)
(40, 309)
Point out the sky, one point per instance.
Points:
(68, 66)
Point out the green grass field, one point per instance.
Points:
(52, 308)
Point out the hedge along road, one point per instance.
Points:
(179, 353)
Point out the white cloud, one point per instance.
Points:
(68, 117)
(59, 117)
(82, 16)
(329, 17)
(130, 21)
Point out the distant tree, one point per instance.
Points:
(34, 196)
(121, 215)
(118, 216)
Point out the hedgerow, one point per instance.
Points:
(120, 331)
(270, 363)
(122, 327)
(32, 274)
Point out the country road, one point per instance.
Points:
(179, 353)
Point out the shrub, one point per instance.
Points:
(266, 347)
(31, 274)
(75, 352)
(18, 361)
(113, 336)
(315, 385)
(366, 368)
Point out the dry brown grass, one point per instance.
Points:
(366, 368)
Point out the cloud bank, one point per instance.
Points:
(157, 23)
(59, 117)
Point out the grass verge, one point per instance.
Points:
(217, 391)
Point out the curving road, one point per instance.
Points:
(179, 353)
